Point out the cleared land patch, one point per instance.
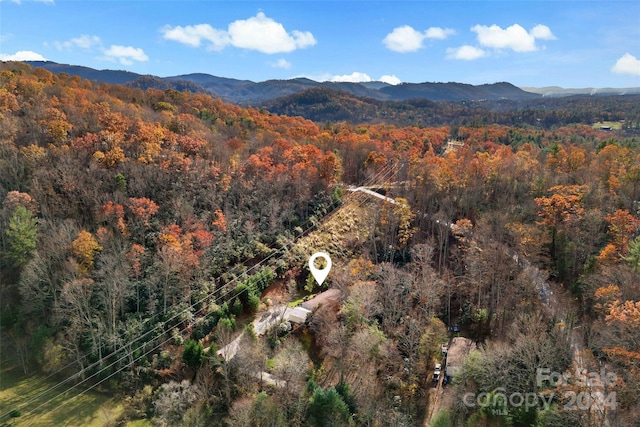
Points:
(92, 409)
(612, 125)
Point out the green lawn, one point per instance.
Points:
(92, 409)
(612, 125)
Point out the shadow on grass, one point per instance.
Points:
(41, 406)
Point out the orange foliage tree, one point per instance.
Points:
(56, 125)
(142, 208)
(85, 248)
(622, 225)
(562, 207)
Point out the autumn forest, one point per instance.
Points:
(143, 231)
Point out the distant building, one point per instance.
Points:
(456, 354)
(323, 297)
(298, 315)
(454, 144)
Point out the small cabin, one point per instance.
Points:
(454, 144)
(298, 315)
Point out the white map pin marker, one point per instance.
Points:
(318, 274)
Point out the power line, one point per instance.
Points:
(94, 364)
(384, 173)
(147, 352)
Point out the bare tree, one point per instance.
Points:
(113, 288)
(428, 286)
(393, 288)
(173, 400)
(291, 366)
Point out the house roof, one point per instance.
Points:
(322, 297)
(298, 314)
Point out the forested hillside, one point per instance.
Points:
(324, 104)
(248, 92)
(142, 231)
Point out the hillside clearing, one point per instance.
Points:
(92, 409)
(612, 125)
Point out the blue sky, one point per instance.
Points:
(527, 43)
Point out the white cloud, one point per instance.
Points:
(355, 77)
(514, 37)
(542, 32)
(23, 55)
(194, 35)
(627, 64)
(317, 77)
(84, 41)
(390, 79)
(439, 33)
(466, 53)
(407, 39)
(267, 36)
(404, 39)
(281, 63)
(259, 33)
(125, 54)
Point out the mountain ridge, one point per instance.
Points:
(250, 92)
(557, 91)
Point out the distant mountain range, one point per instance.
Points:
(106, 76)
(556, 91)
(260, 93)
(249, 92)
(409, 104)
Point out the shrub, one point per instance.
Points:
(236, 307)
(193, 354)
(253, 303)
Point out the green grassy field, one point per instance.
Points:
(612, 125)
(92, 409)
